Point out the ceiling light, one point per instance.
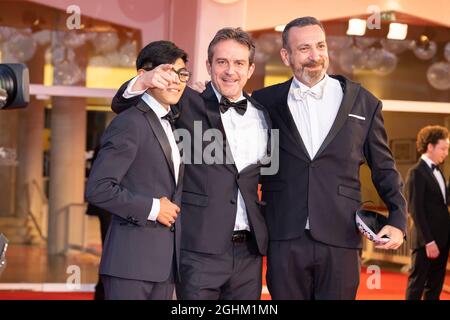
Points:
(280, 27)
(397, 31)
(356, 27)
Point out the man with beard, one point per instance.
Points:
(329, 126)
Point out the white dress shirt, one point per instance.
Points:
(247, 136)
(160, 112)
(314, 111)
(437, 174)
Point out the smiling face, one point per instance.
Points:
(172, 94)
(437, 153)
(230, 68)
(307, 54)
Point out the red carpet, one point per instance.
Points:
(36, 295)
(392, 287)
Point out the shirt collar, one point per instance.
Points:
(317, 89)
(219, 96)
(155, 105)
(427, 160)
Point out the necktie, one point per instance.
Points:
(172, 117)
(434, 166)
(240, 106)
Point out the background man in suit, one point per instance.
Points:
(329, 126)
(137, 176)
(224, 232)
(427, 204)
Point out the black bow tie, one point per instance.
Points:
(171, 116)
(434, 166)
(240, 106)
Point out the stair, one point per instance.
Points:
(19, 231)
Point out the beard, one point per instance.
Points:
(313, 75)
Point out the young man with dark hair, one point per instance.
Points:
(137, 176)
(224, 232)
(427, 204)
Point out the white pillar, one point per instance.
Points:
(67, 167)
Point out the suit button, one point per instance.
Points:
(237, 176)
(232, 201)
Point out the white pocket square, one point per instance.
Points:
(356, 116)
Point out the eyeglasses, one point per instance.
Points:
(183, 74)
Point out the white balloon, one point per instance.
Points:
(438, 75)
(98, 61)
(350, 59)
(106, 42)
(396, 46)
(128, 54)
(338, 42)
(365, 42)
(388, 63)
(67, 73)
(425, 52)
(371, 58)
(58, 54)
(447, 51)
(74, 39)
(22, 46)
(6, 33)
(42, 37)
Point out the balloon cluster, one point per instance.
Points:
(361, 55)
(20, 45)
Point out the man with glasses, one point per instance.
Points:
(224, 232)
(137, 176)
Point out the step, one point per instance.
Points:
(12, 221)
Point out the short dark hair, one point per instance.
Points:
(299, 22)
(236, 34)
(159, 52)
(430, 134)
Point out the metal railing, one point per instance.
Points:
(75, 228)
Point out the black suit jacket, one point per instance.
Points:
(427, 207)
(327, 188)
(134, 166)
(209, 201)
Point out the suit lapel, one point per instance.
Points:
(429, 173)
(288, 120)
(351, 91)
(159, 132)
(215, 122)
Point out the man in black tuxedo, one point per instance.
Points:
(427, 204)
(137, 176)
(329, 126)
(224, 232)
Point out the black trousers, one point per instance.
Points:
(105, 220)
(234, 275)
(305, 269)
(128, 289)
(427, 275)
